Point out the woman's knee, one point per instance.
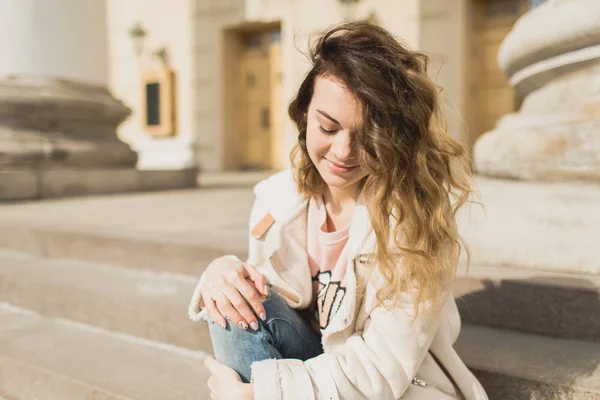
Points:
(274, 303)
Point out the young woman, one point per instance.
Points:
(346, 293)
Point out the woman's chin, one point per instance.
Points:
(337, 181)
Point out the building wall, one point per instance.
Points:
(167, 24)
(298, 19)
(210, 18)
(442, 36)
(195, 33)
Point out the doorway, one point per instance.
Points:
(255, 93)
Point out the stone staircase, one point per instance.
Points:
(94, 293)
(93, 298)
(531, 334)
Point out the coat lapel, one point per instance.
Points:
(360, 241)
(290, 208)
(290, 257)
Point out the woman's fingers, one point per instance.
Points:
(214, 314)
(240, 303)
(259, 280)
(242, 315)
(227, 309)
(252, 296)
(221, 370)
(212, 386)
(224, 382)
(234, 290)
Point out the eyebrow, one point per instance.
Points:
(329, 117)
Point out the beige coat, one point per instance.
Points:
(369, 352)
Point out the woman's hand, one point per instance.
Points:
(225, 384)
(228, 287)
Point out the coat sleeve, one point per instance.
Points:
(379, 362)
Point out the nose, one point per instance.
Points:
(343, 147)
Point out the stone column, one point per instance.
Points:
(57, 119)
(539, 169)
(552, 57)
(55, 109)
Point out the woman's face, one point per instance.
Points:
(333, 114)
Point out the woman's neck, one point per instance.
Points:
(339, 204)
(337, 198)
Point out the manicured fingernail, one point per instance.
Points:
(221, 324)
(263, 316)
(242, 325)
(265, 290)
(254, 325)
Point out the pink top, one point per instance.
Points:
(327, 261)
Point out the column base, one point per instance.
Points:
(25, 184)
(550, 226)
(56, 123)
(555, 134)
(540, 148)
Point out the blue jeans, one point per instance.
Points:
(284, 334)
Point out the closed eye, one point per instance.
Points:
(325, 131)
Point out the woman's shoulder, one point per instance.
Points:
(278, 193)
(281, 182)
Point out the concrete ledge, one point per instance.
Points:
(167, 179)
(540, 302)
(23, 184)
(521, 366)
(51, 360)
(65, 183)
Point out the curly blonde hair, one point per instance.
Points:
(418, 175)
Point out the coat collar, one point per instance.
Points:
(280, 193)
(285, 203)
(290, 208)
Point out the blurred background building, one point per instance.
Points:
(239, 63)
(116, 96)
(204, 85)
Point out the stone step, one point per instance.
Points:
(140, 303)
(512, 365)
(179, 231)
(540, 302)
(41, 358)
(57, 359)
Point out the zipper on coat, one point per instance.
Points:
(419, 382)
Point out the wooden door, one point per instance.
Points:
(278, 104)
(491, 94)
(258, 90)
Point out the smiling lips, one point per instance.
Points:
(339, 168)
